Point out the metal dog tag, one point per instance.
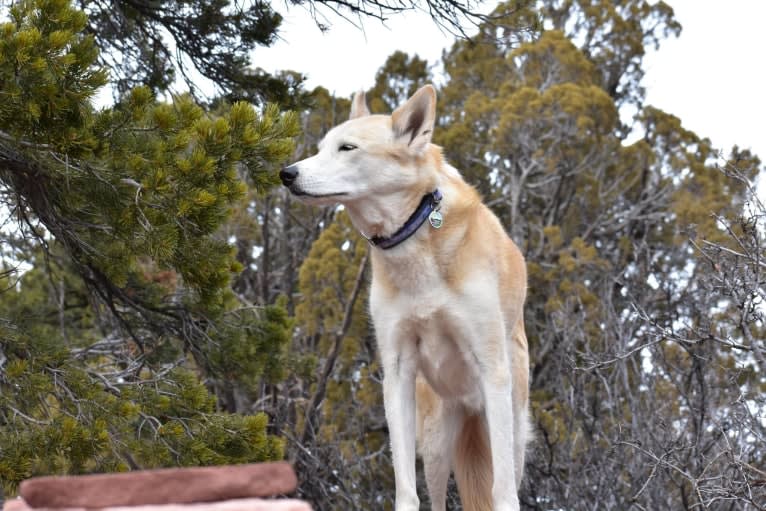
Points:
(436, 219)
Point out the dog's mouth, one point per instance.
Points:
(301, 193)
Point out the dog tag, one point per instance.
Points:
(436, 219)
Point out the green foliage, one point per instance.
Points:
(122, 342)
(249, 346)
(70, 406)
(47, 73)
(152, 44)
(327, 277)
(614, 36)
(158, 179)
(173, 172)
(398, 79)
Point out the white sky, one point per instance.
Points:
(713, 77)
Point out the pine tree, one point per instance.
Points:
(122, 324)
(154, 43)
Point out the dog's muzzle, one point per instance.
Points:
(288, 175)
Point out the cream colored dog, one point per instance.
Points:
(447, 302)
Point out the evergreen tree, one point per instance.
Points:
(152, 43)
(119, 332)
(396, 81)
(609, 230)
(155, 42)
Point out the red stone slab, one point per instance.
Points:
(227, 505)
(163, 486)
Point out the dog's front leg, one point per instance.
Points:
(496, 385)
(500, 423)
(399, 367)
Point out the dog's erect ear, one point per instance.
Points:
(359, 106)
(414, 120)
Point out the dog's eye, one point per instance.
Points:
(347, 147)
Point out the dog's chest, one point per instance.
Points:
(415, 304)
(444, 360)
(412, 281)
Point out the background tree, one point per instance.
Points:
(149, 43)
(606, 226)
(647, 383)
(398, 79)
(337, 424)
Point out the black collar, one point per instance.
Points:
(428, 205)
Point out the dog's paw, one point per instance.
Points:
(408, 504)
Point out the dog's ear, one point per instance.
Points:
(414, 121)
(359, 106)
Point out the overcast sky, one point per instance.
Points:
(712, 77)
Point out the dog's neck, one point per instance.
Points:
(382, 216)
(427, 209)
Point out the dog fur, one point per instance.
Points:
(447, 305)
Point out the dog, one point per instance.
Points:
(446, 299)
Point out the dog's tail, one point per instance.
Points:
(473, 465)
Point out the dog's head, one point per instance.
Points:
(368, 154)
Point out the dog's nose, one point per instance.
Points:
(288, 175)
